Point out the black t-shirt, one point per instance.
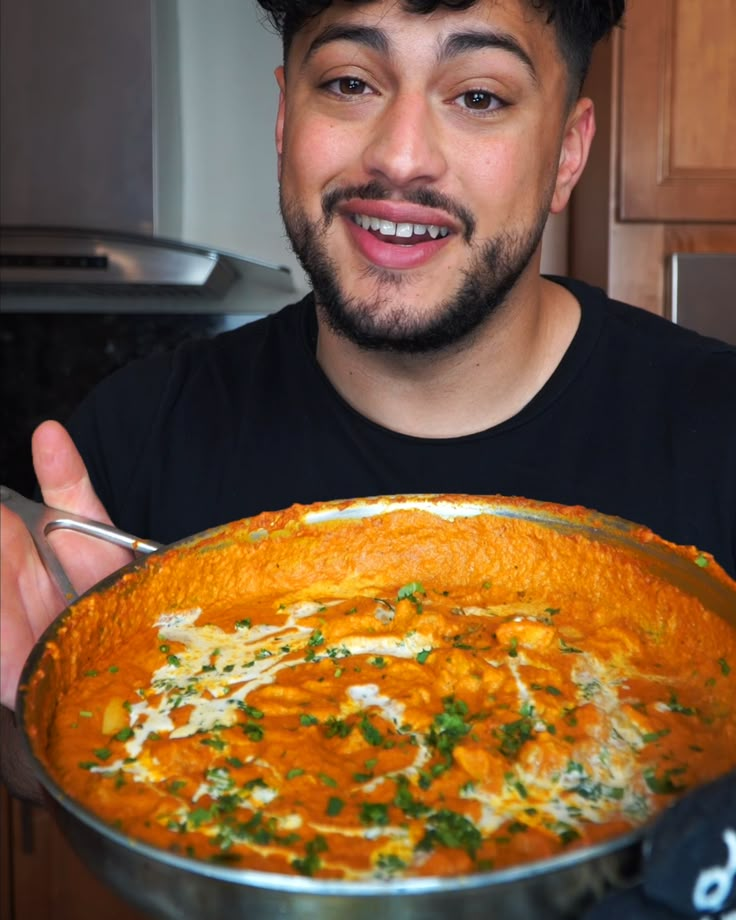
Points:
(638, 420)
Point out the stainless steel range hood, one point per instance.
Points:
(77, 270)
(91, 165)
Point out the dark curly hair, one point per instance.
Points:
(579, 23)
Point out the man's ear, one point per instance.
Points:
(281, 80)
(576, 141)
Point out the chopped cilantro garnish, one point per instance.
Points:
(374, 813)
(447, 729)
(675, 706)
(514, 734)
(339, 727)
(369, 731)
(650, 737)
(217, 743)
(453, 830)
(174, 661)
(362, 777)
(250, 710)
(662, 785)
(566, 832)
(316, 638)
(390, 862)
(334, 806)
(410, 590)
(311, 862)
(406, 801)
(102, 753)
(253, 731)
(123, 734)
(570, 649)
(724, 666)
(256, 783)
(243, 624)
(424, 655)
(294, 772)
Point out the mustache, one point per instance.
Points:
(377, 191)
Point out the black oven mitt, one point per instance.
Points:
(689, 862)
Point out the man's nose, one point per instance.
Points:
(405, 146)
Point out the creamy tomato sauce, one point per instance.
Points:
(355, 726)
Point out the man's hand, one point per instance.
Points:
(29, 598)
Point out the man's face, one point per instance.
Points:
(419, 156)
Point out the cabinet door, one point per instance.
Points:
(678, 111)
(46, 879)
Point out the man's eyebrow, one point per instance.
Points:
(361, 35)
(477, 40)
(456, 44)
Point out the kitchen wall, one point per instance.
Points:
(228, 100)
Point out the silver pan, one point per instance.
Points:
(172, 887)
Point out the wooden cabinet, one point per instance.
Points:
(42, 878)
(662, 174)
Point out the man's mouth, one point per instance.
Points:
(401, 233)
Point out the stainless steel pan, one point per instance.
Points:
(175, 888)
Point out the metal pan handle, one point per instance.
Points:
(41, 520)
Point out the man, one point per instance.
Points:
(421, 147)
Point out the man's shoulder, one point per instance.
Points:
(642, 342)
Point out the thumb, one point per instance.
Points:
(66, 485)
(62, 474)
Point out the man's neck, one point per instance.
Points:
(470, 388)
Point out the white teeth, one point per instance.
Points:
(402, 230)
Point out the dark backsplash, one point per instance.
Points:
(49, 361)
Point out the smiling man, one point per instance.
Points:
(421, 147)
(419, 158)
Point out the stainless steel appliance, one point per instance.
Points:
(703, 293)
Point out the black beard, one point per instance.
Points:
(495, 269)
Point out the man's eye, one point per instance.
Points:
(348, 86)
(479, 100)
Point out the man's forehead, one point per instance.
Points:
(518, 20)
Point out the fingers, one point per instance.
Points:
(62, 474)
(29, 601)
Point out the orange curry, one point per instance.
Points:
(396, 696)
